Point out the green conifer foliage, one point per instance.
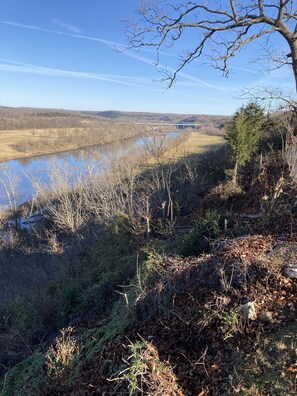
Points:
(243, 134)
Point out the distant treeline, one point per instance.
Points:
(25, 118)
(35, 119)
(160, 117)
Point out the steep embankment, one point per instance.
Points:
(221, 323)
(205, 304)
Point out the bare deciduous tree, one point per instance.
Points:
(121, 192)
(65, 199)
(8, 184)
(166, 153)
(221, 28)
(3, 221)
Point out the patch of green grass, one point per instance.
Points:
(26, 378)
(122, 315)
(111, 329)
(70, 301)
(22, 314)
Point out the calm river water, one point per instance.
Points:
(23, 171)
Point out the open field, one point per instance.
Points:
(25, 143)
(192, 143)
(9, 139)
(198, 142)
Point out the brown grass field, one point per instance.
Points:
(10, 140)
(199, 142)
(195, 143)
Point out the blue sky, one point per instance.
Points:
(72, 54)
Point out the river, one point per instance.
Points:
(19, 175)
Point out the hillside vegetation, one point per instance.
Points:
(174, 279)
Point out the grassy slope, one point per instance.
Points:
(183, 333)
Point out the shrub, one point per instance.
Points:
(61, 355)
(69, 301)
(227, 190)
(206, 228)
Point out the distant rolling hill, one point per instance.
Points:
(158, 117)
(31, 117)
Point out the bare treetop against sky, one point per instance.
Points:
(73, 54)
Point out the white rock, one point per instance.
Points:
(291, 271)
(249, 311)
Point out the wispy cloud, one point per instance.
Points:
(21, 25)
(19, 67)
(162, 67)
(72, 28)
(244, 69)
(125, 50)
(112, 44)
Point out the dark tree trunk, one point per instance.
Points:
(293, 46)
(291, 156)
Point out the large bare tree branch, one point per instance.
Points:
(230, 26)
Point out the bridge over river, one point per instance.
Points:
(160, 125)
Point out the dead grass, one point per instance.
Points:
(271, 369)
(194, 143)
(60, 356)
(200, 142)
(9, 139)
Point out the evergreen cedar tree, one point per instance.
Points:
(243, 134)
